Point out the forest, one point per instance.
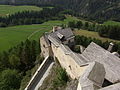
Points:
(98, 10)
(16, 62)
(32, 17)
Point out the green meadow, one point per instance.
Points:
(11, 36)
(6, 10)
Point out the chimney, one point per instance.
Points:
(110, 47)
(82, 49)
(54, 28)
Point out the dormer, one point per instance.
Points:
(60, 36)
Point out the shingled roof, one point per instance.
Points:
(111, 62)
(55, 37)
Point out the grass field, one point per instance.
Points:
(92, 34)
(11, 36)
(6, 10)
(112, 23)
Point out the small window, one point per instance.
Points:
(70, 67)
(43, 45)
(69, 41)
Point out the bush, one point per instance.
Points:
(61, 77)
(77, 49)
(10, 80)
(3, 25)
(85, 41)
(112, 32)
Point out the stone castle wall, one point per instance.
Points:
(68, 62)
(46, 50)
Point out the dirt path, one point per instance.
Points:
(32, 34)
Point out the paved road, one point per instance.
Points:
(44, 76)
(41, 75)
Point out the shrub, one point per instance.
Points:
(61, 77)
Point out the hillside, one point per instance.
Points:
(6, 10)
(92, 9)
